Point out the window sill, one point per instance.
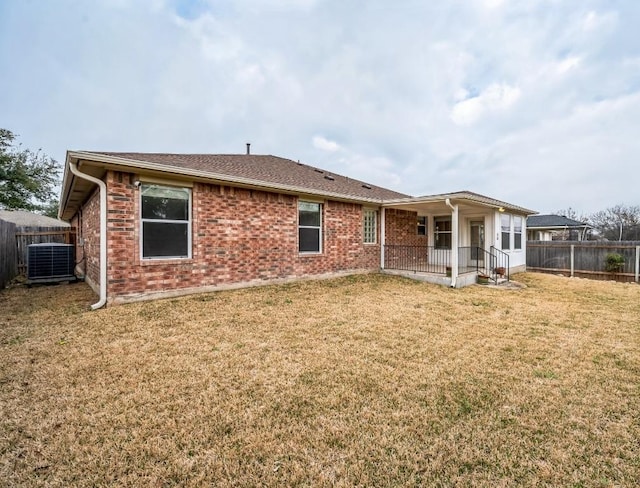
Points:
(309, 254)
(164, 261)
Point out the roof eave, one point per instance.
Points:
(113, 162)
(558, 227)
(460, 196)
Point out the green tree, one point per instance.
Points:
(27, 178)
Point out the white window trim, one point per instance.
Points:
(375, 225)
(436, 232)
(320, 233)
(513, 219)
(425, 225)
(189, 224)
(510, 232)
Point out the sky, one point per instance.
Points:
(535, 102)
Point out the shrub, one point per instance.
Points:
(614, 262)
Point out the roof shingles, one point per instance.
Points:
(264, 168)
(544, 221)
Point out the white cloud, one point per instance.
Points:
(325, 144)
(493, 4)
(526, 101)
(217, 41)
(568, 64)
(496, 97)
(593, 20)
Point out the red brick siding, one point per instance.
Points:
(401, 228)
(238, 236)
(87, 223)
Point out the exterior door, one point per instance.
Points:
(476, 231)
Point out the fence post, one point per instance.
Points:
(637, 263)
(573, 250)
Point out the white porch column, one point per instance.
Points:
(382, 236)
(454, 242)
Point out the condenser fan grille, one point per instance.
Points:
(50, 262)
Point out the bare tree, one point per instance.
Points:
(618, 223)
(571, 213)
(575, 234)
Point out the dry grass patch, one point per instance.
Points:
(362, 381)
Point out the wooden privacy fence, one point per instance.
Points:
(37, 235)
(585, 259)
(8, 256)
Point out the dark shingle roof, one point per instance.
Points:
(545, 221)
(260, 168)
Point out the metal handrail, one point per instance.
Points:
(426, 259)
(494, 263)
(502, 261)
(429, 259)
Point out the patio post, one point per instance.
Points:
(454, 242)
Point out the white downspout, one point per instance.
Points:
(103, 232)
(454, 242)
(383, 236)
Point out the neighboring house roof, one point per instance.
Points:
(464, 197)
(554, 222)
(28, 219)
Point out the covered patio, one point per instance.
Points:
(453, 242)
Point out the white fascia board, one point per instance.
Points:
(460, 197)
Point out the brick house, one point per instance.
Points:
(151, 225)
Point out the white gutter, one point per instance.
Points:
(103, 232)
(454, 242)
(383, 236)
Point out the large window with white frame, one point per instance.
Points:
(165, 222)
(309, 227)
(369, 225)
(505, 226)
(442, 232)
(517, 232)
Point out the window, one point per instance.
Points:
(517, 232)
(422, 226)
(370, 218)
(442, 232)
(505, 224)
(166, 222)
(309, 227)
